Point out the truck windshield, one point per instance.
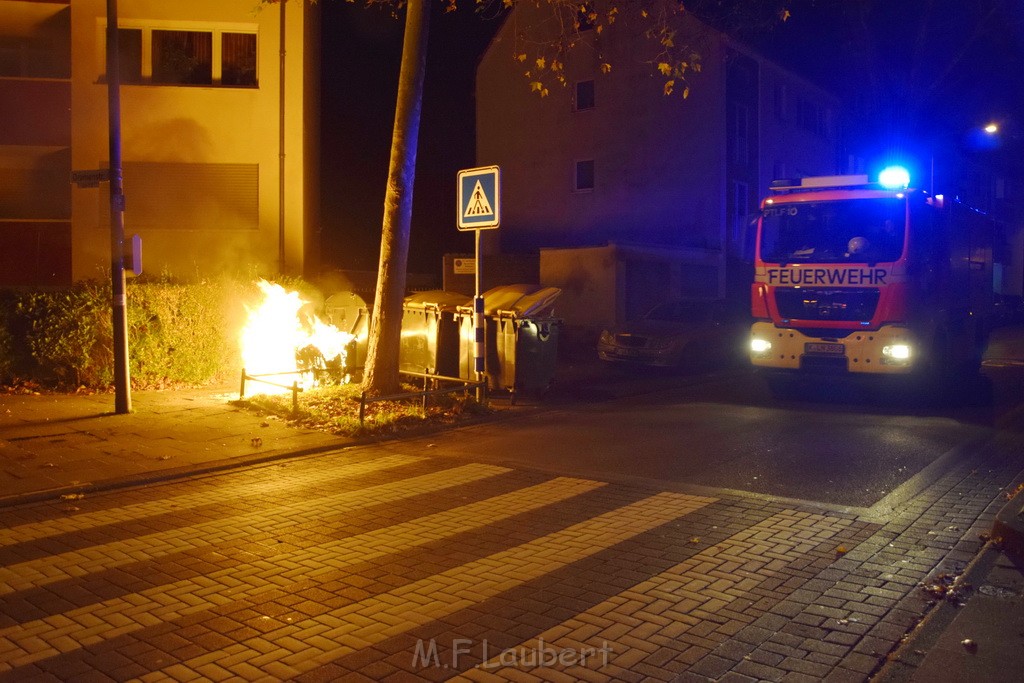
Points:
(843, 231)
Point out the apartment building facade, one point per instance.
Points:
(631, 197)
(219, 121)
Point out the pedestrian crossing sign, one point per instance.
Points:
(479, 198)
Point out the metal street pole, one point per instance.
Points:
(122, 382)
(478, 323)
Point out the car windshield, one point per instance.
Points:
(845, 231)
(679, 312)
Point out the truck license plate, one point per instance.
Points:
(824, 348)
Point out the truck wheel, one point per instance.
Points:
(933, 380)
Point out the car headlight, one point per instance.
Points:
(607, 337)
(760, 347)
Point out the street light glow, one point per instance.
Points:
(991, 128)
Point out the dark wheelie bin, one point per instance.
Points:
(430, 333)
(521, 338)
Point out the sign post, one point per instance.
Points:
(122, 381)
(479, 191)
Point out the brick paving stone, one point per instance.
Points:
(759, 671)
(754, 635)
(820, 658)
(857, 661)
(804, 666)
(763, 656)
(712, 666)
(784, 650)
(842, 638)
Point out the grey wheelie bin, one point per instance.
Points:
(430, 333)
(521, 338)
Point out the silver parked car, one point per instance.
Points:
(680, 334)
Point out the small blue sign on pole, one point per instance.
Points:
(479, 191)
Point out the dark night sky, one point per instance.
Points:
(914, 69)
(361, 55)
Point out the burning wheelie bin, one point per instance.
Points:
(348, 312)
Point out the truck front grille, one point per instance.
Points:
(826, 304)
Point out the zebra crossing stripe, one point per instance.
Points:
(34, 531)
(42, 638)
(321, 639)
(659, 609)
(76, 563)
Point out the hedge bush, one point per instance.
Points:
(178, 334)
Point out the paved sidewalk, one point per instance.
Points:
(57, 445)
(53, 444)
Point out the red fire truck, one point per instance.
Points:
(859, 278)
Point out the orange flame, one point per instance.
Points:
(277, 330)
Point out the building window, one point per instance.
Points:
(129, 54)
(781, 108)
(238, 59)
(182, 57)
(585, 175)
(812, 117)
(740, 209)
(584, 95)
(173, 57)
(178, 196)
(741, 134)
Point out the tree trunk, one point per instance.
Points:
(381, 372)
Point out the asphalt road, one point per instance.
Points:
(852, 448)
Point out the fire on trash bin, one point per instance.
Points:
(284, 341)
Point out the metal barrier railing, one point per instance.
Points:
(294, 387)
(463, 385)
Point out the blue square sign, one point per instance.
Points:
(479, 191)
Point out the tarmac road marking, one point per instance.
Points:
(41, 638)
(348, 629)
(23, 533)
(658, 610)
(77, 563)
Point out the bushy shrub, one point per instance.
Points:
(178, 334)
(7, 348)
(69, 335)
(184, 333)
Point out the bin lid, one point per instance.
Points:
(343, 310)
(533, 304)
(438, 299)
(519, 300)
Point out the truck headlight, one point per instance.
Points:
(896, 353)
(760, 347)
